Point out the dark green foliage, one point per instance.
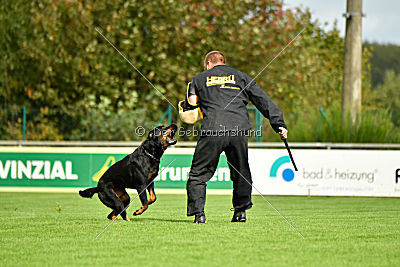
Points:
(309, 125)
(77, 87)
(384, 57)
(389, 95)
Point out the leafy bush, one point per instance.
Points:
(53, 59)
(389, 95)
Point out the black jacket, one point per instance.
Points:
(224, 93)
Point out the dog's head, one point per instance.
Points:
(163, 136)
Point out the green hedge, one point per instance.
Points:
(76, 87)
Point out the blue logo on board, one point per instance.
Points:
(287, 174)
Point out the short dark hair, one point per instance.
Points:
(214, 57)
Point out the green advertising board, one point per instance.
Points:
(80, 167)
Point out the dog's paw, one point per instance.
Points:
(136, 213)
(140, 211)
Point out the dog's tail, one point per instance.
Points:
(88, 192)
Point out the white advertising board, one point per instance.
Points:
(332, 172)
(326, 172)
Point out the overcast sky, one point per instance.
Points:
(381, 24)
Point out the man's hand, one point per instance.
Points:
(193, 100)
(283, 133)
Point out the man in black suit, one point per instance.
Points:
(222, 93)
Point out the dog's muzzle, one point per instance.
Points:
(171, 133)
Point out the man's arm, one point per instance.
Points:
(189, 110)
(267, 107)
(191, 100)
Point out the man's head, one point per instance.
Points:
(213, 59)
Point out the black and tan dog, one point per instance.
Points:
(136, 171)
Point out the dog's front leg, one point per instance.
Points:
(152, 194)
(143, 199)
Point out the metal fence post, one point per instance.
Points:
(319, 126)
(169, 115)
(259, 124)
(24, 123)
(321, 109)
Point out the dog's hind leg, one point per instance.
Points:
(153, 197)
(106, 201)
(110, 199)
(125, 199)
(113, 215)
(143, 199)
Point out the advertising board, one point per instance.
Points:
(321, 172)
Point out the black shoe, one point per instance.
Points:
(239, 216)
(200, 218)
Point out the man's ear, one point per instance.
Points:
(151, 134)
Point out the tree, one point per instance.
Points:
(53, 60)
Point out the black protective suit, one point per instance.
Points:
(224, 93)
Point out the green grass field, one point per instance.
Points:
(59, 229)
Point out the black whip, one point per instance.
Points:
(290, 153)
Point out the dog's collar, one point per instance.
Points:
(150, 155)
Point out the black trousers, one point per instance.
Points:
(204, 164)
